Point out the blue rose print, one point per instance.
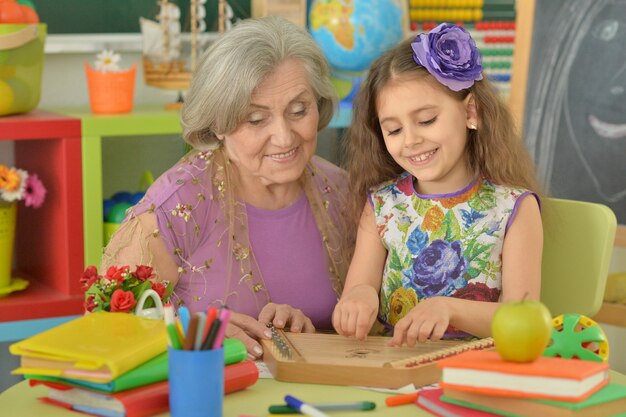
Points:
(439, 268)
(417, 241)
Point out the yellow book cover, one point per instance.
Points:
(97, 347)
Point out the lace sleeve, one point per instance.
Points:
(138, 242)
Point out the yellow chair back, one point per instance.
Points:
(578, 244)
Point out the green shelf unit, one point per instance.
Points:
(96, 129)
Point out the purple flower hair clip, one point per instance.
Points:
(449, 54)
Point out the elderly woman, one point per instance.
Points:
(250, 218)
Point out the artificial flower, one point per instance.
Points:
(122, 301)
(34, 192)
(120, 288)
(9, 178)
(107, 61)
(449, 54)
(17, 184)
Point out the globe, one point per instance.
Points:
(352, 34)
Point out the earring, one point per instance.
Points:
(472, 126)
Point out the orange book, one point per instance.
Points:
(486, 372)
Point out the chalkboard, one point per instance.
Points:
(575, 105)
(118, 16)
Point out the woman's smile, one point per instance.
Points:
(283, 157)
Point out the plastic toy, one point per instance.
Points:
(578, 337)
(118, 212)
(114, 208)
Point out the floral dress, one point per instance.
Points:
(441, 245)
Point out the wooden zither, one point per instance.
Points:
(321, 358)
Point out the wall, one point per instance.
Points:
(64, 83)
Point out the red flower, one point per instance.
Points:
(144, 272)
(477, 291)
(117, 274)
(90, 303)
(120, 288)
(89, 276)
(159, 288)
(122, 301)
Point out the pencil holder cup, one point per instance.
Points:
(196, 382)
(111, 92)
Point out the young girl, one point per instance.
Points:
(448, 225)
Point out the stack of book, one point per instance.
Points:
(113, 365)
(480, 383)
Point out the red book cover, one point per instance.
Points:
(430, 400)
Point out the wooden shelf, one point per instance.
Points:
(612, 313)
(49, 240)
(39, 301)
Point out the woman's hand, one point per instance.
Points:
(249, 331)
(429, 319)
(283, 316)
(356, 311)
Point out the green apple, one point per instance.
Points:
(521, 330)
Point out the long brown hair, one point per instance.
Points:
(495, 149)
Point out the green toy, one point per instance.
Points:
(577, 336)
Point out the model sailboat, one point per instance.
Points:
(166, 64)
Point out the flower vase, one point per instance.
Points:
(155, 312)
(111, 92)
(8, 215)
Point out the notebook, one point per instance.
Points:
(137, 402)
(608, 401)
(430, 400)
(154, 370)
(551, 378)
(97, 347)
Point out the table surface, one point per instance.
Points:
(21, 400)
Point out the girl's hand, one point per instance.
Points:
(249, 331)
(355, 312)
(429, 319)
(284, 315)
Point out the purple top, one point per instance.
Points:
(293, 264)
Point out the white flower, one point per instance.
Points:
(107, 61)
(18, 194)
